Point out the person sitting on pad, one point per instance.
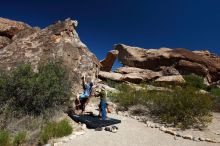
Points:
(82, 99)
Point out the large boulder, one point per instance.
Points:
(107, 63)
(59, 42)
(201, 63)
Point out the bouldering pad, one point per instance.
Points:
(93, 121)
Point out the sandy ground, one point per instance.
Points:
(131, 133)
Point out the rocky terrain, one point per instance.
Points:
(21, 43)
(161, 65)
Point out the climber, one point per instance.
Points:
(83, 98)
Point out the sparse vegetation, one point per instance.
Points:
(55, 130)
(195, 81)
(5, 138)
(215, 93)
(31, 92)
(183, 106)
(25, 93)
(19, 138)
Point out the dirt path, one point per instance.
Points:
(131, 133)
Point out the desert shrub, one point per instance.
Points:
(35, 92)
(127, 95)
(55, 130)
(215, 93)
(111, 83)
(5, 138)
(194, 81)
(181, 106)
(3, 87)
(19, 138)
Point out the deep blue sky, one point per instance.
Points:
(191, 24)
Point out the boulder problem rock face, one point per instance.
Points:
(181, 60)
(59, 42)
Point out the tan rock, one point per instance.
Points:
(199, 63)
(110, 75)
(168, 71)
(192, 67)
(9, 28)
(136, 75)
(171, 79)
(133, 77)
(107, 63)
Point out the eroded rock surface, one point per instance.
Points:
(184, 61)
(59, 42)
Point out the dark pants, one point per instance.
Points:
(81, 104)
(103, 106)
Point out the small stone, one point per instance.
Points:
(201, 139)
(210, 140)
(178, 134)
(126, 114)
(157, 126)
(170, 132)
(84, 127)
(190, 137)
(162, 128)
(65, 140)
(137, 118)
(107, 128)
(152, 125)
(79, 133)
(195, 138)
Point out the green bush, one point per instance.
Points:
(32, 92)
(181, 106)
(55, 130)
(5, 138)
(194, 81)
(215, 92)
(3, 87)
(19, 138)
(128, 96)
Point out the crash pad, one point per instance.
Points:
(93, 121)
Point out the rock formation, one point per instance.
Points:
(108, 62)
(59, 42)
(171, 61)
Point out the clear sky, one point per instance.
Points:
(191, 24)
